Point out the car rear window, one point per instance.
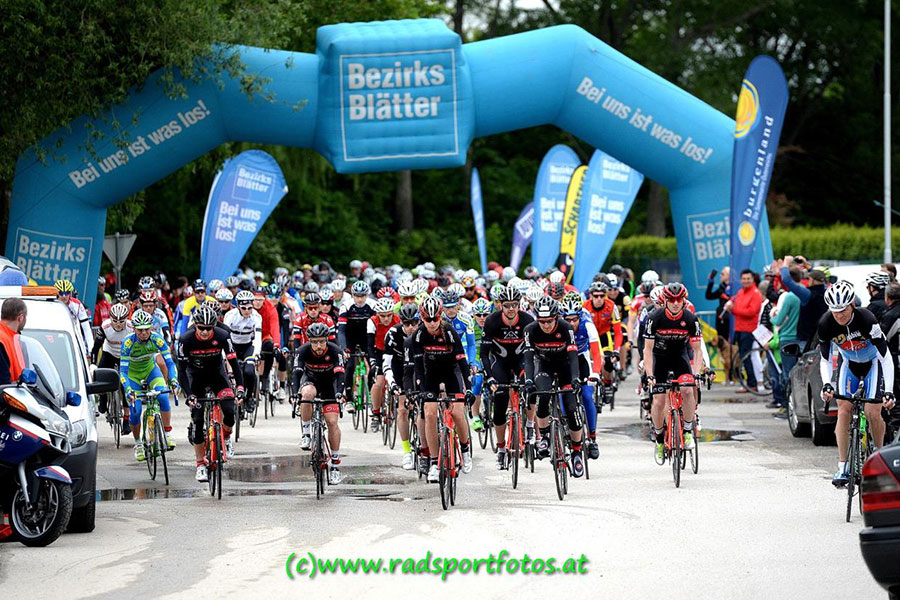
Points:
(59, 346)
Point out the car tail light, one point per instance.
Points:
(880, 488)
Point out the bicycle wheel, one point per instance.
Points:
(676, 450)
(457, 465)
(238, 418)
(557, 460)
(365, 408)
(444, 469)
(394, 428)
(265, 401)
(163, 448)
(765, 387)
(255, 412)
(211, 462)
(385, 423)
(150, 448)
(512, 448)
(853, 467)
(315, 460)
(220, 459)
(695, 453)
(115, 408)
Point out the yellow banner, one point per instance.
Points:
(569, 234)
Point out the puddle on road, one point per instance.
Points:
(289, 469)
(155, 493)
(639, 431)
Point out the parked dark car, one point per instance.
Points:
(880, 540)
(807, 414)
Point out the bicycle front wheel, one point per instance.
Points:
(115, 408)
(394, 427)
(150, 444)
(163, 448)
(317, 460)
(695, 452)
(514, 435)
(764, 387)
(675, 438)
(557, 459)
(365, 408)
(211, 464)
(444, 469)
(853, 466)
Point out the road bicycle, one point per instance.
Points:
(320, 449)
(361, 399)
(861, 446)
(153, 433)
(214, 426)
(675, 451)
(389, 419)
(449, 450)
(115, 413)
(560, 449)
(515, 428)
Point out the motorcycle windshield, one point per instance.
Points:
(49, 386)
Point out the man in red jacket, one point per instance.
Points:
(745, 308)
(271, 333)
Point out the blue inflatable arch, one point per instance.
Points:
(388, 96)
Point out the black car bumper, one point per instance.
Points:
(81, 464)
(881, 551)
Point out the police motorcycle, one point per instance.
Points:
(34, 439)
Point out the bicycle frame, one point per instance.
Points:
(859, 447)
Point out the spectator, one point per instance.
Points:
(12, 321)
(812, 298)
(875, 284)
(773, 358)
(745, 307)
(890, 325)
(785, 317)
(102, 305)
(890, 269)
(720, 294)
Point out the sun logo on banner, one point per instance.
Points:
(746, 233)
(747, 110)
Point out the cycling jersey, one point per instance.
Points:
(505, 341)
(110, 339)
(271, 326)
(245, 330)
(606, 320)
(394, 361)
(860, 342)
(672, 338)
(138, 360)
(439, 358)
(187, 310)
(554, 348)
(588, 341)
(465, 327)
(206, 355)
(325, 371)
(302, 323)
(353, 325)
(376, 332)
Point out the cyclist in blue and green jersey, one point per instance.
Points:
(481, 308)
(137, 364)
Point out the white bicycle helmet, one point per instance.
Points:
(118, 311)
(224, 295)
(244, 296)
(407, 289)
(384, 305)
(650, 276)
(839, 296)
(878, 279)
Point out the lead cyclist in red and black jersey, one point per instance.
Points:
(866, 361)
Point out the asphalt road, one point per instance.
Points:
(760, 520)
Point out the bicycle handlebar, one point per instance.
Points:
(152, 393)
(856, 399)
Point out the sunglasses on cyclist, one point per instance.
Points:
(546, 321)
(410, 323)
(65, 294)
(573, 319)
(510, 305)
(431, 319)
(245, 305)
(115, 320)
(202, 328)
(598, 295)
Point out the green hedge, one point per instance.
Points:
(838, 242)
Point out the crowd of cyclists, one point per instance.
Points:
(426, 333)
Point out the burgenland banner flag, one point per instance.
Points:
(523, 231)
(549, 202)
(568, 236)
(757, 129)
(243, 195)
(478, 217)
(609, 191)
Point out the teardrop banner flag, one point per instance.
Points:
(757, 129)
(608, 194)
(568, 237)
(478, 217)
(243, 195)
(523, 231)
(549, 202)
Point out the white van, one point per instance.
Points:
(51, 323)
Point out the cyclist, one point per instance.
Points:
(313, 314)
(398, 377)
(326, 295)
(589, 362)
(672, 335)
(148, 291)
(149, 303)
(649, 280)
(271, 334)
(352, 329)
(109, 338)
(865, 358)
(198, 298)
(503, 353)
(623, 304)
(245, 325)
(439, 359)
(319, 372)
(481, 308)
(605, 315)
(201, 349)
(137, 363)
(65, 291)
(376, 328)
(550, 352)
(464, 326)
(225, 299)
